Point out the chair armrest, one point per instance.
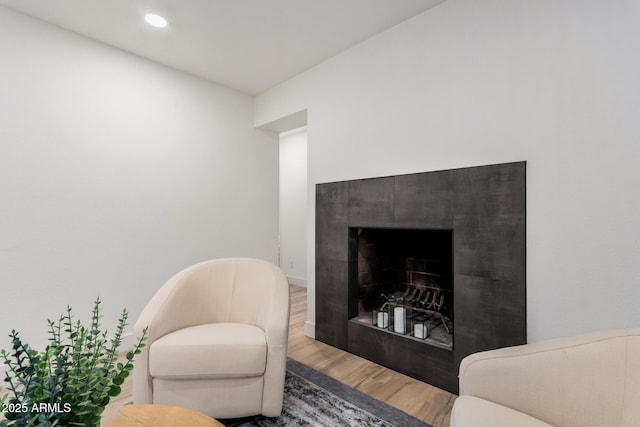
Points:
(167, 311)
(275, 321)
(170, 309)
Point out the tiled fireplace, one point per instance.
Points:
(417, 271)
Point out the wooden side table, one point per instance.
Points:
(147, 415)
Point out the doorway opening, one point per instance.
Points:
(292, 251)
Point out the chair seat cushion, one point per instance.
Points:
(219, 350)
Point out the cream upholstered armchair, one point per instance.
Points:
(589, 380)
(217, 340)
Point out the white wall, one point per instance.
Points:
(115, 173)
(471, 83)
(293, 205)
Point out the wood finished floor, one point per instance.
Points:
(414, 397)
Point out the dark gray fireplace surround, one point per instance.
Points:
(485, 207)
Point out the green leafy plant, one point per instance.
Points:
(72, 380)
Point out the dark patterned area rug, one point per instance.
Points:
(311, 398)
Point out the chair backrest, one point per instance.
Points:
(236, 290)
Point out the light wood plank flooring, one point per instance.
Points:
(414, 397)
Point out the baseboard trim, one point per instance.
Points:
(310, 329)
(297, 281)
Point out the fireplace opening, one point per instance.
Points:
(401, 282)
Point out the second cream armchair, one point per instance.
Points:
(589, 380)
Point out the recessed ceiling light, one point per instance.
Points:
(155, 20)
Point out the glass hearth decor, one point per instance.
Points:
(399, 312)
(411, 312)
(380, 319)
(393, 315)
(420, 326)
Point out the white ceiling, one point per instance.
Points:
(249, 45)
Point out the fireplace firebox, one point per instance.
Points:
(404, 282)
